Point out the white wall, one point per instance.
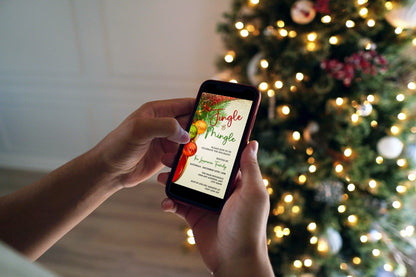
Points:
(71, 70)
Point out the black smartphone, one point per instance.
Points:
(220, 126)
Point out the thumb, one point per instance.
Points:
(250, 171)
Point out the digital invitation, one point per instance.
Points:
(207, 160)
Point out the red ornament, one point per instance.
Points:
(189, 149)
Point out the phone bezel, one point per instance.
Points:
(200, 199)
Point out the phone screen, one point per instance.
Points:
(217, 128)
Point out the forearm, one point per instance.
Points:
(35, 217)
(246, 267)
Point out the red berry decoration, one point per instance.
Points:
(189, 149)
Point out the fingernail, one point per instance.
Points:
(255, 148)
(168, 205)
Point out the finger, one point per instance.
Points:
(181, 210)
(168, 159)
(169, 108)
(169, 128)
(163, 177)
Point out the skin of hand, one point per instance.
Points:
(33, 218)
(234, 242)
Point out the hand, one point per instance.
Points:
(234, 242)
(132, 152)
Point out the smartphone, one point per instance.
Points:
(220, 126)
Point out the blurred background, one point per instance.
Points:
(70, 72)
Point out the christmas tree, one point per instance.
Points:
(335, 129)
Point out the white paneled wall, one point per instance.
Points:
(71, 70)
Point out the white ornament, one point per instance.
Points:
(303, 11)
(334, 240)
(403, 17)
(390, 147)
(253, 69)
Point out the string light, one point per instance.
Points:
(302, 179)
(323, 246)
(297, 264)
(254, 2)
(350, 24)
(309, 151)
(311, 46)
(191, 238)
(364, 239)
(312, 168)
(348, 152)
(307, 262)
(411, 85)
(233, 81)
(351, 187)
(263, 86)
(342, 209)
(333, 40)
(250, 28)
(411, 177)
(371, 23)
(229, 57)
(239, 25)
(299, 76)
(313, 240)
(264, 63)
(352, 219)
(388, 5)
(401, 189)
(280, 23)
(278, 84)
(270, 93)
(288, 198)
(244, 33)
(356, 260)
(266, 182)
(388, 267)
(292, 34)
(339, 168)
(396, 204)
(398, 30)
(312, 36)
(401, 116)
(355, 118)
(394, 130)
(296, 135)
(295, 209)
(400, 97)
(370, 98)
(376, 252)
(401, 162)
(286, 110)
(372, 183)
(293, 88)
(363, 12)
(326, 19)
(339, 101)
(361, 2)
(414, 41)
(407, 232)
(283, 32)
(312, 227)
(379, 160)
